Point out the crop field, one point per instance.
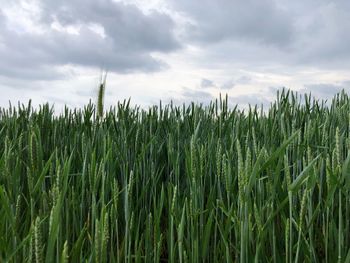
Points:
(177, 183)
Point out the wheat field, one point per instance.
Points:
(177, 183)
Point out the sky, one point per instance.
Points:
(172, 50)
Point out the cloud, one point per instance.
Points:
(125, 25)
(245, 100)
(346, 83)
(216, 21)
(268, 33)
(207, 83)
(198, 96)
(228, 85)
(244, 80)
(128, 41)
(325, 90)
(323, 35)
(211, 45)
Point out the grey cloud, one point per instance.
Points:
(258, 21)
(324, 38)
(203, 97)
(189, 95)
(130, 39)
(346, 83)
(319, 91)
(87, 92)
(273, 90)
(324, 90)
(250, 99)
(270, 33)
(2, 19)
(207, 83)
(228, 85)
(244, 80)
(126, 25)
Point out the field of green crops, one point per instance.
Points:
(177, 183)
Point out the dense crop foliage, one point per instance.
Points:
(177, 184)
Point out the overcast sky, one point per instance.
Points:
(180, 50)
